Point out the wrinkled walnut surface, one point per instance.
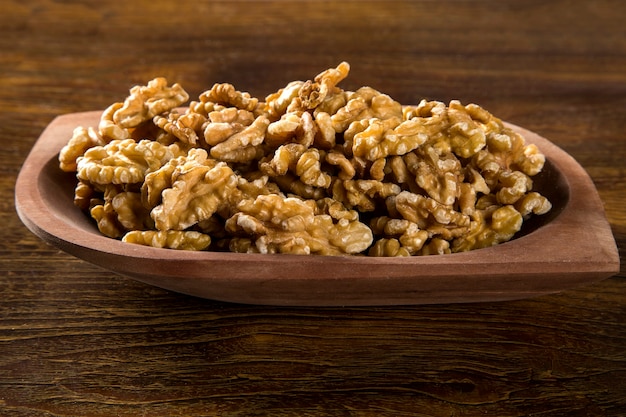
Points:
(310, 169)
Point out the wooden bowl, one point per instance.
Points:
(571, 246)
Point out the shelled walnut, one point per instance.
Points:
(309, 169)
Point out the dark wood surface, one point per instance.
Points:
(78, 341)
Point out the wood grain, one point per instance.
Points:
(78, 341)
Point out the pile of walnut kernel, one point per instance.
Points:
(312, 169)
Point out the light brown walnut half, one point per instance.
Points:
(84, 194)
(157, 181)
(199, 186)
(512, 185)
(363, 104)
(388, 247)
(279, 224)
(131, 213)
(532, 203)
(124, 161)
(224, 122)
(145, 102)
(276, 104)
(297, 127)
(185, 127)
(82, 140)
(362, 195)
(325, 135)
(337, 158)
(226, 95)
(169, 239)
(439, 176)
(313, 93)
(435, 246)
(243, 141)
(407, 234)
(491, 226)
(308, 168)
(108, 128)
(467, 136)
(508, 150)
(106, 219)
(430, 215)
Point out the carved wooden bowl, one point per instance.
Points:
(570, 246)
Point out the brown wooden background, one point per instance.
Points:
(78, 341)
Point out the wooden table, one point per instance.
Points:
(76, 340)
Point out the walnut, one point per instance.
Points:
(378, 139)
(430, 215)
(512, 186)
(402, 232)
(466, 135)
(435, 246)
(281, 131)
(292, 127)
(84, 193)
(157, 181)
(169, 239)
(335, 209)
(213, 226)
(388, 247)
(476, 180)
(438, 175)
(82, 140)
(250, 137)
(399, 171)
(289, 183)
(285, 157)
(347, 114)
(533, 160)
(332, 103)
(325, 135)
(106, 219)
(346, 169)
(305, 163)
(131, 213)
(225, 122)
(532, 203)
(507, 150)
(289, 225)
(308, 168)
(226, 95)
(199, 186)
(313, 93)
(466, 200)
(123, 161)
(362, 194)
(276, 104)
(231, 115)
(145, 102)
(184, 127)
(432, 117)
(491, 226)
(251, 188)
(108, 128)
(365, 103)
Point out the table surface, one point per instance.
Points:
(76, 340)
